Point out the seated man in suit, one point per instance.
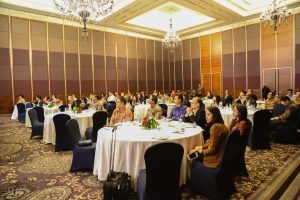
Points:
(249, 101)
(155, 110)
(227, 99)
(196, 113)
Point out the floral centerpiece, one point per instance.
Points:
(149, 123)
(50, 105)
(77, 109)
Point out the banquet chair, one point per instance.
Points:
(21, 112)
(164, 108)
(37, 126)
(278, 110)
(62, 140)
(99, 120)
(111, 106)
(217, 183)
(288, 134)
(40, 113)
(62, 108)
(259, 137)
(83, 156)
(160, 179)
(28, 105)
(239, 163)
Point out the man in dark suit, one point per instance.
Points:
(249, 101)
(196, 113)
(227, 99)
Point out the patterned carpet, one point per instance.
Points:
(30, 169)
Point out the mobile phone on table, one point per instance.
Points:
(193, 155)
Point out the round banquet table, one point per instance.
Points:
(14, 115)
(140, 110)
(47, 111)
(84, 120)
(227, 114)
(131, 143)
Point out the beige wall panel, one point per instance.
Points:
(285, 45)
(4, 41)
(121, 42)
(38, 36)
(239, 39)
(195, 48)
(71, 39)
(98, 38)
(227, 47)
(55, 37)
(186, 49)
(20, 33)
(85, 43)
(268, 48)
(110, 44)
(131, 45)
(253, 40)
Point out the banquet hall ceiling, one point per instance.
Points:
(151, 17)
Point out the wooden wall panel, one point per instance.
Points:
(56, 59)
(166, 86)
(86, 71)
(99, 61)
(158, 66)
(297, 51)
(39, 58)
(178, 69)
(150, 65)
(227, 59)
(111, 62)
(132, 63)
(21, 65)
(186, 51)
(195, 56)
(284, 80)
(205, 49)
(72, 62)
(122, 63)
(253, 56)
(6, 95)
(172, 71)
(142, 70)
(216, 63)
(269, 78)
(206, 80)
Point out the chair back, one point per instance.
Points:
(231, 149)
(278, 109)
(99, 120)
(33, 116)
(21, 108)
(163, 163)
(164, 108)
(62, 141)
(78, 102)
(73, 131)
(28, 105)
(259, 138)
(40, 113)
(62, 108)
(111, 106)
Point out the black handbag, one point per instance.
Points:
(118, 184)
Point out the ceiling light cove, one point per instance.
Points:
(159, 17)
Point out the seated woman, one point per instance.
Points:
(121, 113)
(213, 148)
(21, 99)
(216, 100)
(271, 101)
(239, 121)
(196, 113)
(155, 110)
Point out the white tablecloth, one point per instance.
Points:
(132, 142)
(47, 111)
(207, 102)
(14, 115)
(261, 105)
(84, 120)
(227, 114)
(140, 110)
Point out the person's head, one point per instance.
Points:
(227, 92)
(178, 99)
(240, 112)
(153, 100)
(216, 99)
(290, 92)
(285, 100)
(248, 96)
(213, 115)
(243, 93)
(38, 98)
(298, 94)
(74, 96)
(196, 103)
(21, 96)
(53, 96)
(121, 102)
(208, 93)
(270, 95)
(250, 91)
